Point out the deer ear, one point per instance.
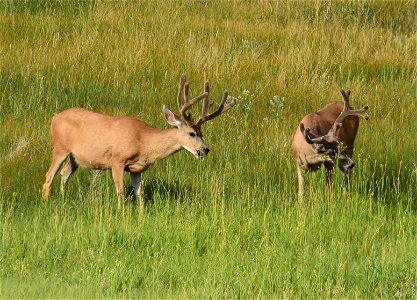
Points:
(171, 118)
(306, 133)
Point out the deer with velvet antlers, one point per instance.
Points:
(326, 138)
(98, 141)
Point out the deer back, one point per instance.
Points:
(95, 138)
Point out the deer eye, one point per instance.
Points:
(192, 134)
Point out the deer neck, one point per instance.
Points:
(163, 143)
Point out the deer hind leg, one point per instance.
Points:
(300, 181)
(117, 172)
(57, 160)
(137, 186)
(70, 167)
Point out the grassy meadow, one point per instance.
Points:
(231, 225)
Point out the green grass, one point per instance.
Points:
(229, 226)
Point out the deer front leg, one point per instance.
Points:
(300, 181)
(346, 165)
(329, 178)
(346, 182)
(117, 172)
(137, 186)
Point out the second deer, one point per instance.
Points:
(98, 141)
(326, 138)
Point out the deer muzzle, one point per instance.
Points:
(345, 162)
(350, 166)
(202, 152)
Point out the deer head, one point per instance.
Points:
(329, 144)
(189, 131)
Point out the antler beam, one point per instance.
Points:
(347, 112)
(221, 109)
(184, 105)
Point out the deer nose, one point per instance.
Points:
(351, 165)
(206, 150)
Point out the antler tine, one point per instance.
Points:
(354, 112)
(345, 99)
(222, 109)
(186, 89)
(347, 112)
(180, 89)
(183, 106)
(206, 103)
(187, 116)
(207, 87)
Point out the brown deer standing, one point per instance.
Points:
(98, 141)
(325, 138)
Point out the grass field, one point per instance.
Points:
(229, 226)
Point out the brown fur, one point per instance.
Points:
(320, 123)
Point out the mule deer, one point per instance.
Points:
(325, 138)
(98, 141)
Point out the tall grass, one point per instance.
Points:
(229, 226)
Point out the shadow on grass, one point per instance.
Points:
(161, 189)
